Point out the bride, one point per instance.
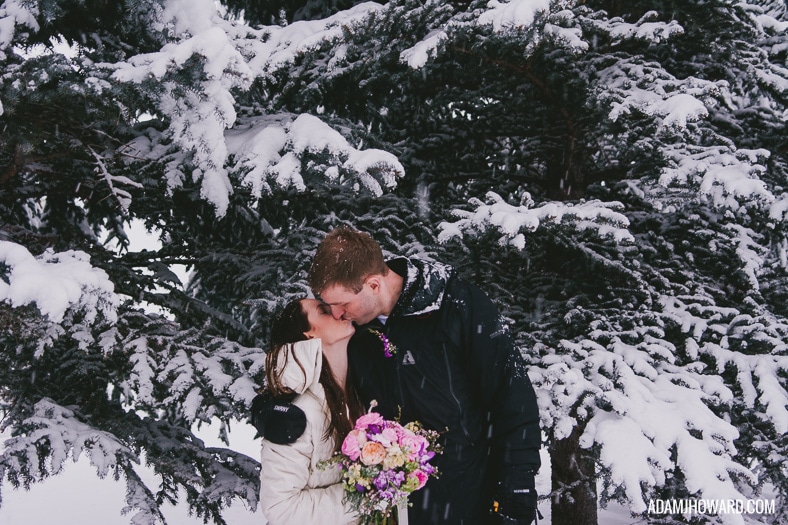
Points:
(308, 360)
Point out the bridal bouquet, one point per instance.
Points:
(382, 462)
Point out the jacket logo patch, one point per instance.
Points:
(408, 359)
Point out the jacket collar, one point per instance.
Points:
(310, 358)
(424, 284)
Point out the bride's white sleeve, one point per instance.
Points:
(285, 495)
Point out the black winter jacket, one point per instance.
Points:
(457, 371)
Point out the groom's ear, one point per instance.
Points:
(373, 281)
(277, 419)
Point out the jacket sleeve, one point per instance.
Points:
(503, 386)
(284, 495)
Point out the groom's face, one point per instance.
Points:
(359, 307)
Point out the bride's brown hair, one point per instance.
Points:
(289, 327)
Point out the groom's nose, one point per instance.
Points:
(337, 311)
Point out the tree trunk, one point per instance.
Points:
(574, 499)
(566, 170)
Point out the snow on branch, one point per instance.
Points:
(198, 114)
(210, 477)
(123, 196)
(779, 210)
(647, 28)
(275, 47)
(501, 17)
(15, 13)
(653, 402)
(514, 221)
(57, 283)
(751, 253)
(270, 151)
(643, 87)
(651, 418)
(54, 433)
(646, 415)
(725, 176)
(200, 378)
(759, 379)
(418, 55)
(140, 498)
(759, 375)
(513, 14)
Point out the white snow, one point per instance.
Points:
(419, 54)
(620, 31)
(67, 437)
(513, 14)
(640, 406)
(310, 134)
(189, 16)
(726, 177)
(15, 13)
(516, 221)
(78, 497)
(57, 282)
(202, 122)
(502, 16)
(270, 149)
(278, 46)
(198, 118)
(679, 109)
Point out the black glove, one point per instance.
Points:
(514, 506)
(277, 419)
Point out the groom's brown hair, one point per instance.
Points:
(346, 257)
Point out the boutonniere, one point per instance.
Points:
(388, 347)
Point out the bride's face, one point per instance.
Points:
(322, 323)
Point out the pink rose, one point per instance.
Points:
(420, 476)
(372, 453)
(413, 445)
(351, 446)
(386, 437)
(370, 418)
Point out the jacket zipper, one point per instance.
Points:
(398, 364)
(454, 396)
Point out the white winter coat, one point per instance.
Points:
(293, 490)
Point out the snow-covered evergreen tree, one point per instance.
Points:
(613, 173)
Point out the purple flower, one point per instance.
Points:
(398, 478)
(387, 351)
(381, 480)
(388, 347)
(360, 487)
(386, 494)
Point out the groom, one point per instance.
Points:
(454, 368)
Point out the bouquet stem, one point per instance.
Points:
(402, 513)
(398, 517)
